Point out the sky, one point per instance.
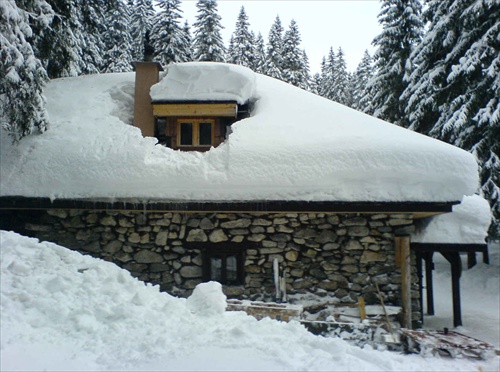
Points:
(350, 24)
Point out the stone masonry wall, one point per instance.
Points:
(324, 254)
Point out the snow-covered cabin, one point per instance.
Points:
(279, 180)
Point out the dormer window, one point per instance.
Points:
(195, 132)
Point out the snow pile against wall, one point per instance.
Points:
(467, 224)
(295, 146)
(64, 311)
(195, 81)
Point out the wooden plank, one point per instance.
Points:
(429, 266)
(402, 244)
(195, 109)
(362, 308)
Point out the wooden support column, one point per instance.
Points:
(420, 284)
(456, 271)
(471, 260)
(403, 260)
(429, 286)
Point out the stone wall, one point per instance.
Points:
(323, 254)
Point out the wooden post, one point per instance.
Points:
(471, 259)
(402, 244)
(420, 284)
(362, 309)
(429, 266)
(456, 271)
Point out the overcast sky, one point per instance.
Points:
(350, 24)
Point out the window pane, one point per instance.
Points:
(231, 269)
(215, 269)
(205, 133)
(161, 124)
(186, 134)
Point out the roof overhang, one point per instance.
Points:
(195, 108)
(417, 209)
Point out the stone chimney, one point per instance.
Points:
(147, 74)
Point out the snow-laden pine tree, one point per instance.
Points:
(208, 43)
(22, 76)
(341, 83)
(294, 68)
(259, 60)
(315, 84)
(454, 92)
(117, 39)
(50, 40)
(141, 20)
(188, 50)
(167, 36)
(401, 29)
(361, 98)
(240, 50)
(88, 25)
(327, 87)
(274, 53)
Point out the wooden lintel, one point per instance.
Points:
(195, 109)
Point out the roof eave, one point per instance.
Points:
(419, 209)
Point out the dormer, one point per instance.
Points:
(195, 125)
(195, 104)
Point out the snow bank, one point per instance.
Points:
(205, 81)
(467, 224)
(64, 311)
(295, 146)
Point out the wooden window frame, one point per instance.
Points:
(196, 131)
(223, 251)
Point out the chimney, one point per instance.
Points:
(147, 74)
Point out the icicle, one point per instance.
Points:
(283, 287)
(276, 278)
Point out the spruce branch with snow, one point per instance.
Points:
(22, 76)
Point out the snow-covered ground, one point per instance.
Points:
(64, 311)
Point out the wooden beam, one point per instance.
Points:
(248, 206)
(402, 244)
(195, 109)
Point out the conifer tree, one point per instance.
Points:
(167, 36)
(241, 48)
(327, 88)
(315, 85)
(294, 69)
(22, 76)
(454, 92)
(52, 40)
(259, 60)
(402, 28)
(117, 39)
(361, 95)
(141, 20)
(188, 49)
(89, 25)
(274, 57)
(341, 91)
(208, 43)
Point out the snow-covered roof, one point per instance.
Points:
(295, 146)
(467, 224)
(203, 81)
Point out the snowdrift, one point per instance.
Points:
(64, 311)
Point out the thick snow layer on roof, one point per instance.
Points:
(200, 81)
(467, 224)
(295, 146)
